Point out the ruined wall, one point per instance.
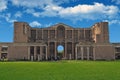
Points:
(21, 32)
(104, 52)
(100, 33)
(61, 33)
(18, 52)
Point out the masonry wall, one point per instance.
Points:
(104, 52)
(21, 32)
(62, 34)
(100, 33)
(18, 52)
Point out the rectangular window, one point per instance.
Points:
(52, 34)
(39, 34)
(4, 48)
(33, 35)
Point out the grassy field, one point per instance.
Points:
(60, 70)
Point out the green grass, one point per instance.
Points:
(60, 70)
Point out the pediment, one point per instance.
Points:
(60, 24)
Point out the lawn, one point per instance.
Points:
(60, 70)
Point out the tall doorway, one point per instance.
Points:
(60, 51)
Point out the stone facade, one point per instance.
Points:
(41, 43)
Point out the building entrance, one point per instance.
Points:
(60, 51)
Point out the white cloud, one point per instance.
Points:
(49, 10)
(116, 1)
(58, 2)
(33, 12)
(113, 21)
(35, 24)
(8, 18)
(52, 8)
(32, 3)
(38, 3)
(48, 25)
(96, 11)
(38, 24)
(43, 5)
(18, 14)
(3, 5)
(80, 12)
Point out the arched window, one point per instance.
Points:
(61, 32)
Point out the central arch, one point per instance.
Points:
(60, 51)
(60, 48)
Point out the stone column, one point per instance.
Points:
(65, 50)
(65, 54)
(70, 57)
(72, 43)
(46, 54)
(41, 52)
(35, 53)
(0, 53)
(94, 53)
(55, 44)
(72, 50)
(76, 53)
(32, 57)
(82, 53)
(38, 57)
(88, 52)
(115, 53)
(55, 51)
(28, 53)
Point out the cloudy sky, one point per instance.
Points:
(44, 13)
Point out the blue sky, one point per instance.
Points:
(44, 13)
(60, 48)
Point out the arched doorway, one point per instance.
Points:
(60, 51)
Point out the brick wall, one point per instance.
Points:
(105, 52)
(21, 32)
(18, 52)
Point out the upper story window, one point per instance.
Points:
(33, 35)
(4, 48)
(61, 31)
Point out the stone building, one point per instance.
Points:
(37, 44)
